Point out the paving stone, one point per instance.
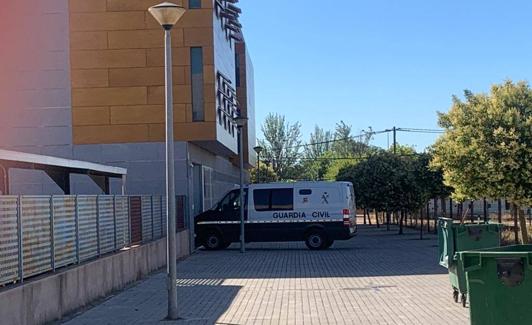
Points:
(377, 277)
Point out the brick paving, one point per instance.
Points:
(377, 277)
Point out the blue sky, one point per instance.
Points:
(381, 63)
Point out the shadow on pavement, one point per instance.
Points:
(226, 285)
(146, 303)
(215, 301)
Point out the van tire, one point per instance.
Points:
(316, 239)
(213, 241)
(226, 245)
(329, 243)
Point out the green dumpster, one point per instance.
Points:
(500, 284)
(454, 237)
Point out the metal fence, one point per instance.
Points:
(39, 234)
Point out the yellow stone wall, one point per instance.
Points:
(117, 72)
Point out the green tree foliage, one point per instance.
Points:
(344, 139)
(403, 150)
(263, 174)
(430, 178)
(323, 156)
(349, 148)
(347, 145)
(336, 165)
(319, 143)
(281, 144)
(388, 182)
(486, 150)
(316, 154)
(317, 168)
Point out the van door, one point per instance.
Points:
(352, 208)
(269, 210)
(230, 206)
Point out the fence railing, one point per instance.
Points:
(39, 234)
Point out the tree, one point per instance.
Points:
(430, 180)
(317, 151)
(403, 150)
(344, 139)
(336, 165)
(388, 182)
(384, 182)
(347, 145)
(315, 169)
(263, 174)
(348, 150)
(486, 149)
(319, 144)
(281, 143)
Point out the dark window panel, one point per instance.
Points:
(261, 199)
(194, 4)
(282, 199)
(196, 73)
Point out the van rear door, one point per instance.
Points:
(352, 208)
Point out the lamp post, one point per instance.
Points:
(240, 123)
(167, 14)
(258, 150)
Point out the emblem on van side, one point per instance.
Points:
(325, 198)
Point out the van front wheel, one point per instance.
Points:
(213, 241)
(329, 243)
(316, 240)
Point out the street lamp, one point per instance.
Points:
(240, 123)
(167, 14)
(258, 150)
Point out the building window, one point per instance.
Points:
(196, 73)
(194, 4)
(237, 65)
(228, 14)
(227, 103)
(274, 199)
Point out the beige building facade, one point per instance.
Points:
(108, 57)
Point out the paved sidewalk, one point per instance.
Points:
(376, 278)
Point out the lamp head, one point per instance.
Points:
(167, 14)
(258, 149)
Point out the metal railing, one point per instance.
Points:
(39, 234)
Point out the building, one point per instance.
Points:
(84, 79)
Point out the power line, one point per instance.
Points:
(421, 130)
(345, 158)
(353, 137)
(372, 133)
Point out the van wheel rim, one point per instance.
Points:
(213, 241)
(315, 240)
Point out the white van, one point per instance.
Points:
(315, 212)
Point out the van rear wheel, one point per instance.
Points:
(316, 240)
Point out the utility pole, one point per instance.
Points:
(394, 140)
